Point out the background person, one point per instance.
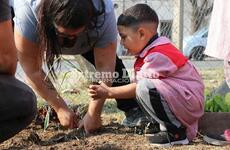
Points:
(168, 87)
(218, 45)
(218, 38)
(17, 100)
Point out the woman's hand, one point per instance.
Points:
(99, 91)
(68, 118)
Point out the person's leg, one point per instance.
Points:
(18, 106)
(156, 108)
(223, 89)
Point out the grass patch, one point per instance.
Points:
(212, 78)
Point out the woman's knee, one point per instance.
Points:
(25, 97)
(29, 109)
(21, 105)
(31, 103)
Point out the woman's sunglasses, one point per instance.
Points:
(65, 40)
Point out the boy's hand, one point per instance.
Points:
(99, 91)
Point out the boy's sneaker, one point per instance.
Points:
(135, 118)
(215, 139)
(165, 138)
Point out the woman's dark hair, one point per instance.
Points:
(70, 14)
(139, 13)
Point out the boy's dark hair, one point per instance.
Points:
(139, 13)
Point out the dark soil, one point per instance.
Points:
(111, 136)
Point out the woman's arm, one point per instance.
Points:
(105, 59)
(30, 58)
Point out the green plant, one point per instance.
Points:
(216, 104)
(47, 118)
(84, 67)
(227, 99)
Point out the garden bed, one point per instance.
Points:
(111, 136)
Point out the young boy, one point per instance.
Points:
(168, 87)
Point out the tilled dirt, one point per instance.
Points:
(111, 136)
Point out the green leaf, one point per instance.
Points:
(212, 108)
(47, 118)
(216, 108)
(227, 99)
(208, 104)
